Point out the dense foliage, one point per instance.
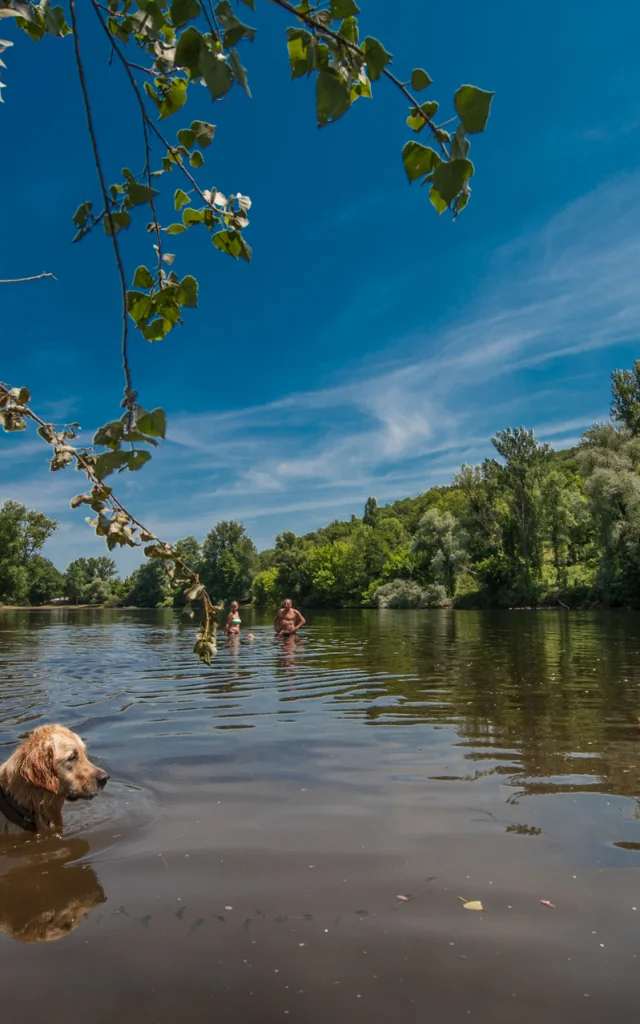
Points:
(531, 526)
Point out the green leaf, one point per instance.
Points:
(137, 459)
(187, 294)
(250, 4)
(418, 160)
(186, 137)
(349, 30)
(332, 96)
(139, 306)
(82, 214)
(196, 159)
(299, 44)
(416, 121)
(175, 229)
(360, 88)
(461, 201)
(377, 57)
(216, 73)
(110, 434)
(239, 71)
(153, 423)
(420, 79)
(157, 329)
(139, 194)
(343, 9)
(192, 216)
(183, 10)
(174, 98)
(203, 132)
(143, 278)
(188, 49)
(449, 178)
(233, 244)
(180, 199)
(83, 220)
(120, 220)
(459, 144)
(473, 106)
(54, 22)
(234, 29)
(436, 200)
(108, 462)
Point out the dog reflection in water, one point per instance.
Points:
(46, 896)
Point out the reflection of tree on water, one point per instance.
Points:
(549, 700)
(45, 896)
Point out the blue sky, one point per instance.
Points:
(371, 347)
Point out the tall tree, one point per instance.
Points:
(443, 544)
(611, 462)
(82, 572)
(45, 582)
(565, 509)
(625, 400)
(147, 587)
(370, 516)
(521, 475)
(229, 561)
(23, 533)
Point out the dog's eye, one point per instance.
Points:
(73, 757)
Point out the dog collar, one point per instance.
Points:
(15, 813)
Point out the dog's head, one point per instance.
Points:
(54, 758)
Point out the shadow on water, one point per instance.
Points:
(266, 816)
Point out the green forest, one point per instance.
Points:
(530, 526)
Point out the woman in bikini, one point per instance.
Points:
(232, 626)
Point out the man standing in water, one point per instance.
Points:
(288, 619)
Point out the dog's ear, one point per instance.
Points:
(38, 768)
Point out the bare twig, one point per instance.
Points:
(36, 277)
(129, 393)
(147, 172)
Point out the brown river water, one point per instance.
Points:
(265, 816)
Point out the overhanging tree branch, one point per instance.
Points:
(35, 277)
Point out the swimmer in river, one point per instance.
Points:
(232, 625)
(288, 619)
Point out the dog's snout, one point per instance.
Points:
(102, 778)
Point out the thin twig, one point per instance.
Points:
(36, 277)
(209, 16)
(130, 395)
(312, 23)
(147, 173)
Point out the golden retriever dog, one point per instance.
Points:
(49, 767)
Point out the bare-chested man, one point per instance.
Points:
(288, 619)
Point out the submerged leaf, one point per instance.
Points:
(471, 904)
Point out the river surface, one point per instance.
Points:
(288, 834)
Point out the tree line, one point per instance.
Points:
(528, 526)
